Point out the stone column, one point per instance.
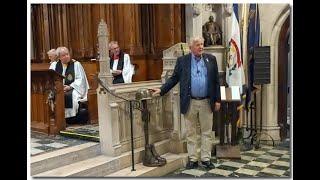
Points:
(244, 29)
(270, 26)
(227, 12)
(108, 128)
(193, 20)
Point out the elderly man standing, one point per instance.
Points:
(197, 73)
(75, 82)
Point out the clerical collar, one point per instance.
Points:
(116, 57)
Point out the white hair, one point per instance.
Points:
(195, 39)
(52, 52)
(61, 50)
(112, 43)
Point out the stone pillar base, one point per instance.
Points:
(115, 150)
(267, 135)
(178, 146)
(270, 132)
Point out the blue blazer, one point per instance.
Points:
(182, 74)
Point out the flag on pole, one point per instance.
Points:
(253, 41)
(234, 69)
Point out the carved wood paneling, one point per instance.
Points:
(91, 70)
(164, 24)
(140, 64)
(142, 30)
(70, 25)
(47, 115)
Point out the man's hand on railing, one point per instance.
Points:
(155, 91)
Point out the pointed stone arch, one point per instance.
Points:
(270, 91)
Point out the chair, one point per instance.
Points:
(82, 115)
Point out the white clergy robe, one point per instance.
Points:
(128, 68)
(80, 87)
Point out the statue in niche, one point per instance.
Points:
(211, 33)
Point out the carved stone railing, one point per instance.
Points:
(172, 98)
(113, 112)
(159, 126)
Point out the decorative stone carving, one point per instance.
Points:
(172, 99)
(228, 9)
(104, 60)
(195, 10)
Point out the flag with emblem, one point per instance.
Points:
(234, 69)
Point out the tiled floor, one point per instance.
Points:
(267, 161)
(86, 132)
(41, 143)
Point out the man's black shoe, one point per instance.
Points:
(207, 164)
(192, 165)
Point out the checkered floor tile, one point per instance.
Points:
(267, 161)
(42, 143)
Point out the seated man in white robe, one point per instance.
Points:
(120, 65)
(75, 82)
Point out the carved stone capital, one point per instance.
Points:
(228, 9)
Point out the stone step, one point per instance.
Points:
(95, 166)
(174, 162)
(102, 165)
(47, 161)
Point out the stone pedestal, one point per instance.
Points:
(219, 53)
(108, 126)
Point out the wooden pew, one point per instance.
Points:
(40, 113)
(47, 114)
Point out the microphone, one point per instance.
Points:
(197, 66)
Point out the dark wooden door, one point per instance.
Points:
(283, 90)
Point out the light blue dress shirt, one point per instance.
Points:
(199, 77)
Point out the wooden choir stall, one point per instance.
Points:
(47, 100)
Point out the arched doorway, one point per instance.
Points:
(284, 78)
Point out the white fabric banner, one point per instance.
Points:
(234, 70)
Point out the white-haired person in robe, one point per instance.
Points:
(52, 55)
(75, 82)
(120, 65)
